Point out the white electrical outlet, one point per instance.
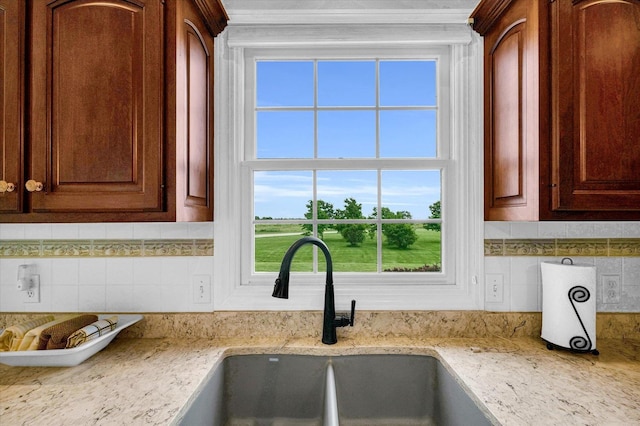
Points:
(610, 288)
(32, 295)
(201, 288)
(494, 287)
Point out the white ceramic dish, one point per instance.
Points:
(67, 357)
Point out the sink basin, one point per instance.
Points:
(401, 390)
(367, 390)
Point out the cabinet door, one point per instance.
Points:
(11, 104)
(596, 105)
(194, 136)
(514, 62)
(96, 111)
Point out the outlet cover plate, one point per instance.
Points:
(610, 288)
(33, 294)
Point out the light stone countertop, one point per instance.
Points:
(148, 381)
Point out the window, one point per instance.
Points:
(361, 147)
(352, 151)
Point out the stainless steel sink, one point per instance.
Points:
(368, 390)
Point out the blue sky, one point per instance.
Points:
(346, 128)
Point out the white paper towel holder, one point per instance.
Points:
(575, 293)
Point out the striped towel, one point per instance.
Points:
(55, 336)
(11, 338)
(92, 331)
(32, 337)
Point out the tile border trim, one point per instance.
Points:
(105, 248)
(601, 247)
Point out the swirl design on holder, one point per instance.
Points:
(579, 294)
(579, 343)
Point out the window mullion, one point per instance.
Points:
(379, 174)
(315, 109)
(351, 164)
(315, 156)
(379, 223)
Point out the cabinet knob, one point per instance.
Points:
(33, 186)
(6, 186)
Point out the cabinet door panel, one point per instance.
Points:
(513, 113)
(97, 105)
(597, 50)
(11, 103)
(195, 118)
(507, 140)
(198, 118)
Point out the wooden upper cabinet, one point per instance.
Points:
(96, 106)
(11, 104)
(595, 102)
(514, 113)
(562, 102)
(120, 112)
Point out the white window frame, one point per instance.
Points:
(235, 287)
(444, 162)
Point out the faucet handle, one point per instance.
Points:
(353, 312)
(344, 320)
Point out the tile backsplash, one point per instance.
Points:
(515, 250)
(150, 267)
(131, 267)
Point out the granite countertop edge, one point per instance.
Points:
(152, 381)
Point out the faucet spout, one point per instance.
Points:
(281, 289)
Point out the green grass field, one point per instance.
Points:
(270, 250)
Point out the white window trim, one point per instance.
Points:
(466, 136)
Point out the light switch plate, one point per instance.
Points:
(201, 288)
(494, 287)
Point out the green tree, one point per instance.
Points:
(435, 214)
(354, 233)
(373, 228)
(325, 211)
(400, 235)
